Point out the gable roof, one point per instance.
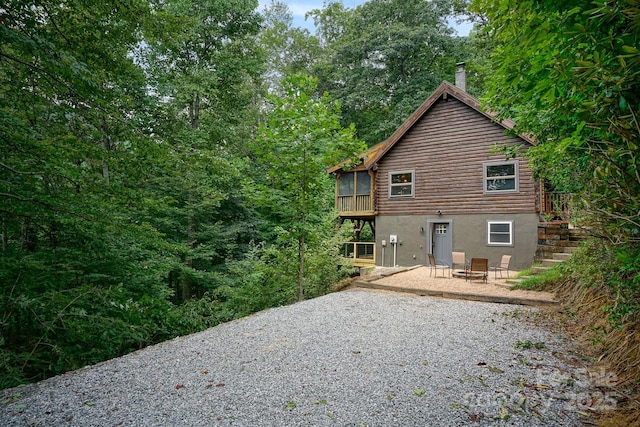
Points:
(445, 90)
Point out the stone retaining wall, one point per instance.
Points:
(556, 237)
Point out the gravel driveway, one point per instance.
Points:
(353, 358)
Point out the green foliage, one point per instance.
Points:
(569, 74)
(288, 50)
(541, 281)
(383, 59)
(108, 188)
(204, 79)
(85, 325)
(301, 138)
(614, 272)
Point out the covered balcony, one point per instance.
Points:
(354, 194)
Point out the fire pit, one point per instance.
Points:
(461, 274)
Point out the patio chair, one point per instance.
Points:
(458, 259)
(433, 265)
(478, 269)
(503, 266)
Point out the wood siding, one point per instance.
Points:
(447, 148)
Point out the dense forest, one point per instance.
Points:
(162, 163)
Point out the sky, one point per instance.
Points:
(299, 7)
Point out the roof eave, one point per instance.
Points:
(375, 153)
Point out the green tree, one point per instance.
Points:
(569, 73)
(384, 58)
(288, 50)
(204, 78)
(71, 150)
(332, 22)
(300, 139)
(115, 171)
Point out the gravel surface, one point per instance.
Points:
(353, 358)
(419, 279)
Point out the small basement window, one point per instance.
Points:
(500, 233)
(401, 184)
(501, 177)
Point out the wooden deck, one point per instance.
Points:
(363, 254)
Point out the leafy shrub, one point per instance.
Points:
(612, 270)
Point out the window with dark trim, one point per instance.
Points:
(363, 183)
(361, 186)
(401, 184)
(501, 177)
(345, 184)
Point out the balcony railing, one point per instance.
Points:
(363, 254)
(353, 204)
(557, 204)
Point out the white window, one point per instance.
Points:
(401, 184)
(501, 177)
(500, 233)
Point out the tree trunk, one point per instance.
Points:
(5, 238)
(106, 146)
(194, 111)
(194, 114)
(28, 238)
(185, 285)
(303, 220)
(188, 262)
(301, 267)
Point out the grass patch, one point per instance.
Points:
(541, 280)
(523, 273)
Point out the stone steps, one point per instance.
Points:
(556, 243)
(557, 238)
(551, 262)
(562, 256)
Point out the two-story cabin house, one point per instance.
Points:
(437, 186)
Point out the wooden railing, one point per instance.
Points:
(362, 253)
(351, 203)
(557, 204)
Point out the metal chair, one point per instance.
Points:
(503, 266)
(433, 265)
(478, 269)
(458, 259)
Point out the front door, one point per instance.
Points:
(441, 242)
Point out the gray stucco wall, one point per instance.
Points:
(469, 236)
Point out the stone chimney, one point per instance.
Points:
(461, 77)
